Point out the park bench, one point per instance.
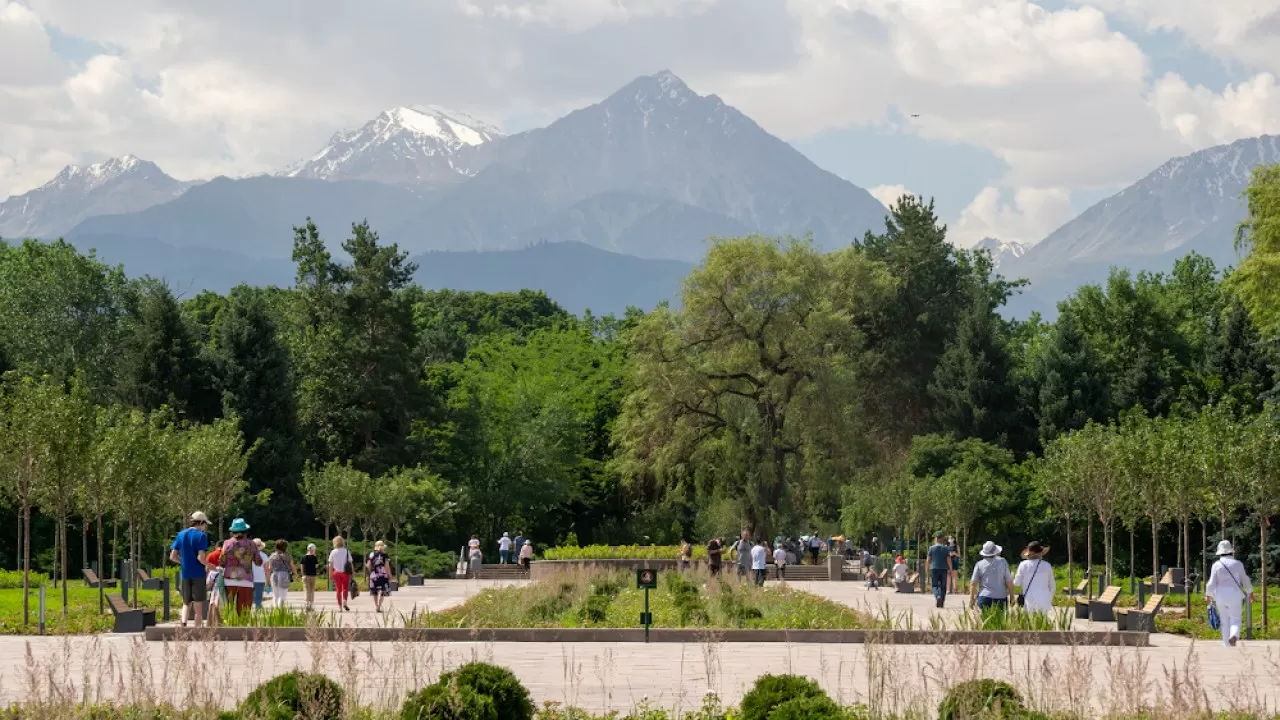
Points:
(1161, 588)
(146, 582)
(1081, 588)
(127, 619)
(1102, 608)
(92, 580)
(416, 580)
(1144, 620)
(909, 586)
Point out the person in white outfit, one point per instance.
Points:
(1035, 579)
(1227, 588)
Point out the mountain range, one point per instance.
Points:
(607, 206)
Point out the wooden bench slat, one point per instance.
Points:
(1109, 595)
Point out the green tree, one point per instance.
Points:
(334, 492)
(1257, 280)
(60, 311)
(160, 362)
(971, 388)
(754, 374)
(1070, 380)
(255, 377)
(211, 462)
(137, 462)
(1237, 368)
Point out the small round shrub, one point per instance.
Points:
(294, 695)
(445, 700)
(814, 707)
(770, 691)
(980, 698)
(510, 698)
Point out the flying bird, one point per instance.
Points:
(916, 115)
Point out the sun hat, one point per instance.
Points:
(898, 559)
(1034, 550)
(505, 535)
(990, 549)
(1225, 548)
(379, 545)
(259, 543)
(311, 547)
(528, 542)
(198, 516)
(239, 525)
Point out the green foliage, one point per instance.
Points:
(510, 698)
(1071, 380)
(1258, 277)
(772, 691)
(622, 552)
(452, 701)
(971, 391)
(810, 707)
(976, 698)
(305, 696)
(160, 363)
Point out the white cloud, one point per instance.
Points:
(889, 194)
(1032, 214)
(237, 86)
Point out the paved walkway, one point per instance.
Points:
(603, 676)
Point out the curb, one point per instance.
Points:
(658, 635)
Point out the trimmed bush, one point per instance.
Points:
(510, 698)
(980, 698)
(815, 707)
(294, 695)
(445, 700)
(770, 691)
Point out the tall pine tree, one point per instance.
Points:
(1071, 382)
(160, 363)
(1237, 367)
(971, 390)
(256, 383)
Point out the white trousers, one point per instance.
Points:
(1230, 613)
(279, 589)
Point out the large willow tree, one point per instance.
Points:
(755, 381)
(1258, 278)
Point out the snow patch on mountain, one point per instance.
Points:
(1001, 250)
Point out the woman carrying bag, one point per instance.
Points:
(1035, 579)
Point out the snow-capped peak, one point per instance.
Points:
(408, 144)
(1001, 249)
(97, 174)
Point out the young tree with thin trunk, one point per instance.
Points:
(1139, 452)
(1261, 460)
(1059, 485)
(22, 443)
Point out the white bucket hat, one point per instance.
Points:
(990, 549)
(1224, 548)
(198, 516)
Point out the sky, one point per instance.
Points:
(1013, 114)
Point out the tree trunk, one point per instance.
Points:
(1186, 557)
(85, 524)
(133, 563)
(101, 592)
(26, 564)
(1108, 556)
(1262, 530)
(62, 530)
(1204, 550)
(57, 543)
(1088, 562)
(1133, 564)
(1071, 563)
(115, 544)
(1155, 552)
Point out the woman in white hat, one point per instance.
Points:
(992, 583)
(1035, 579)
(1227, 588)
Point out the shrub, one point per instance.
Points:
(594, 610)
(770, 691)
(813, 707)
(510, 698)
(622, 552)
(294, 695)
(445, 700)
(976, 698)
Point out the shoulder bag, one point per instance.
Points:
(1022, 596)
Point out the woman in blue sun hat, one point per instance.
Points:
(239, 556)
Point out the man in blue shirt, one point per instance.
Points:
(939, 566)
(188, 550)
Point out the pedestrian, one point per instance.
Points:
(518, 544)
(953, 577)
(815, 546)
(900, 570)
(1228, 587)
(282, 571)
(215, 587)
(526, 554)
(475, 560)
(742, 549)
(259, 574)
(238, 559)
(715, 549)
(1034, 579)
(341, 566)
(869, 569)
(310, 569)
(780, 561)
(504, 549)
(686, 555)
(760, 561)
(875, 546)
(380, 574)
(189, 550)
(939, 556)
(992, 583)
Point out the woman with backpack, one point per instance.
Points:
(280, 566)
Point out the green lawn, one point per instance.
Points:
(612, 600)
(82, 605)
